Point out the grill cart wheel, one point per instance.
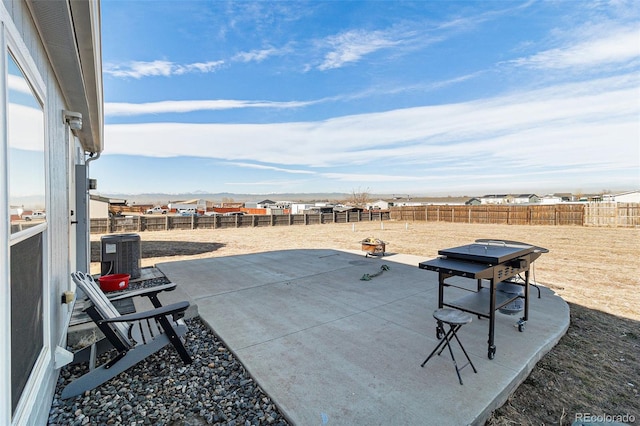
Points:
(492, 352)
(521, 325)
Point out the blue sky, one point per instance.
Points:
(423, 98)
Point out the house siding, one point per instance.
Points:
(18, 31)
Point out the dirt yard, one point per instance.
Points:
(594, 370)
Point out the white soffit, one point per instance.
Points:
(70, 33)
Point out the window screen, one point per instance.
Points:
(26, 311)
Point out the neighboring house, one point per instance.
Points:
(380, 204)
(509, 199)
(495, 199)
(473, 202)
(264, 204)
(259, 204)
(284, 205)
(299, 208)
(623, 197)
(591, 198)
(551, 199)
(407, 203)
(565, 196)
(51, 106)
(15, 212)
(98, 207)
(525, 199)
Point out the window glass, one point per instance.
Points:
(25, 126)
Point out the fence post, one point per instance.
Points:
(166, 223)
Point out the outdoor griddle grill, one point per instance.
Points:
(489, 260)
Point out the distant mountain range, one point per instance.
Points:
(225, 196)
(162, 198)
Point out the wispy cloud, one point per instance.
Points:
(139, 69)
(621, 46)
(368, 177)
(165, 107)
(276, 183)
(562, 126)
(353, 45)
(18, 83)
(272, 168)
(258, 55)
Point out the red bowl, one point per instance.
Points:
(114, 282)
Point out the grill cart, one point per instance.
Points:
(490, 262)
(373, 246)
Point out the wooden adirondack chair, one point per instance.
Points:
(134, 336)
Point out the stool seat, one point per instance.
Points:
(455, 320)
(452, 316)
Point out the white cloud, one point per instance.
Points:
(368, 177)
(27, 127)
(165, 107)
(621, 46)
(351, 46)
(590, 124)
(256, 55)
(271, 168)
(19, 84)
(139, 69)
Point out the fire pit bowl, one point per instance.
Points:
(114, 282)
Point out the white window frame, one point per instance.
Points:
(10, 41)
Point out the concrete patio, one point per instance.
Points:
(330, 348)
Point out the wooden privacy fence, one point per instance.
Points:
(170, 222)
(592, 214)
(613, 214)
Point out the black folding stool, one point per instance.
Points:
(455, 319)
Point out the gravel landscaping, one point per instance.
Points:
(162, 390)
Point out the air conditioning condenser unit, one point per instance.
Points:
(120, 254)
